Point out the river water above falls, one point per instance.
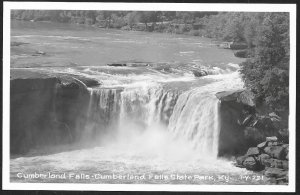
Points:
(146, 125)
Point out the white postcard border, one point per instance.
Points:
(291, 8)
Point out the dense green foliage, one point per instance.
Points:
(266, 73)
(177, 22)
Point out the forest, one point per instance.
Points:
(266, 36)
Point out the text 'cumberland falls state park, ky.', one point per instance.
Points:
(150, 97)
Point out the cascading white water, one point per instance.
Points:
(195, 118)
(196, 114)
(149, 105)
(102, 112)
(192, 116)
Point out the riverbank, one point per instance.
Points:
(258, 139)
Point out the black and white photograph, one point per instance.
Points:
(137, 96)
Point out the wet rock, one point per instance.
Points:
(238, 46)
(199, 73)
(39, 53)
(240, 160)
(271, 139)
(251, 164)
(137, 64)
(241, 53)
(16, 43)
(72, 85)
(277, 152)
(274, 144)
(117, 64)
(275, 172)
(253, 151)
(264, 160)
(280, 164)
(226, 96)
(267, 162)
(262, 145)
(89, 82)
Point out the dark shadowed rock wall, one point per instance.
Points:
(45, 110)
(242, 123)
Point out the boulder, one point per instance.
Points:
(241, 53)
(240, 160)
(199, 73)
(246, 97)
(271, 139)
(275, 172)
(117, 64)
(277, 152)
(264, 160)
(273, 144)
(267, 162)
(226, 96)
(251, 164)
(253, 151)
(274, 117)
(39, 53)
(286, 147)
(280, 164)
(262, 145)
(238, 46)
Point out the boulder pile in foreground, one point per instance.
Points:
(271, 157)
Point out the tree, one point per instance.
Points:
(132, 18)
(267, 74)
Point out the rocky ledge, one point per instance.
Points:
(46, 108)
(253, 134)
(245, 124)
(271, 157)
(167, 67)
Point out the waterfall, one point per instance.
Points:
(195, 116)
(192, 115)
(123, 110)
(103, 111)
(195, 119)
(146, 106)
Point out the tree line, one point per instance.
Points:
(265, 72)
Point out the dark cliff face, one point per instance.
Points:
(232, 139)
(45, 110)
(242, 123)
